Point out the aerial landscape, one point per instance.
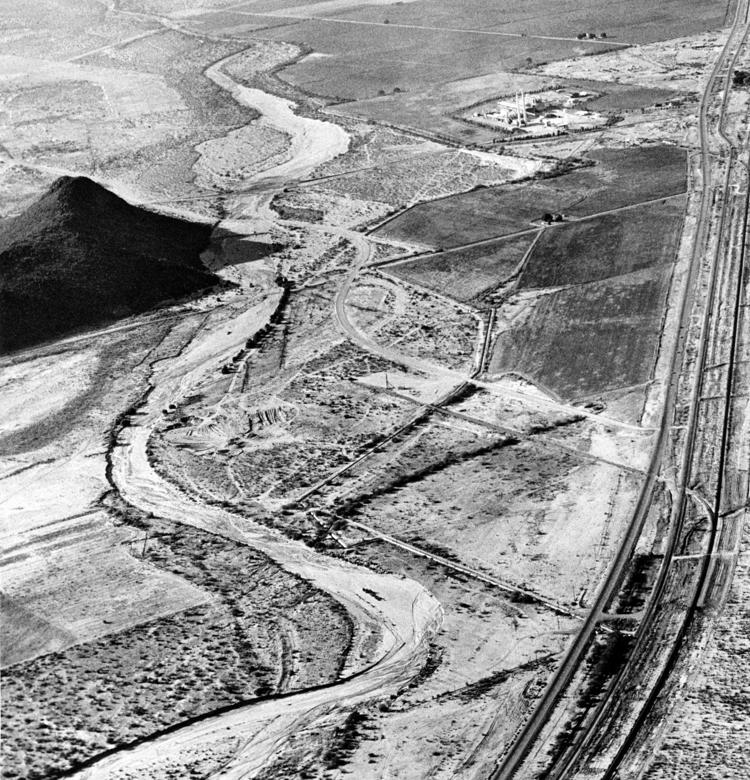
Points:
(374, 387)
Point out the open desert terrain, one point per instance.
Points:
(374, 389)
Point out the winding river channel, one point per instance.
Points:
(398, 613)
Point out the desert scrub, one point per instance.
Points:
(105, 693)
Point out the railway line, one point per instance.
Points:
(713, 206)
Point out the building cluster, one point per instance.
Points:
(549, 112)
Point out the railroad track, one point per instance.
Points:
(532, 730)
(706, 571)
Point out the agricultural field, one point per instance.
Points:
(88, 560)
(57, 436)
(468, 275)
(613, 178)
(606, 246)
(632, 23)
(587, 339)
(402, 48)
(356, 61)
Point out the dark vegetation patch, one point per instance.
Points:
(465, 274)
(311, 750)
(487, 685)
(617, 177)
(296, 213)
(606, 246)
(81, 256)
(346, 739)
(434, 661)
(605, 658)
(67, 706)
(589, 338)
(642, 574)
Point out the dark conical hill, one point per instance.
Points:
(81, 256)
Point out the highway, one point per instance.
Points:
(707, 231)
